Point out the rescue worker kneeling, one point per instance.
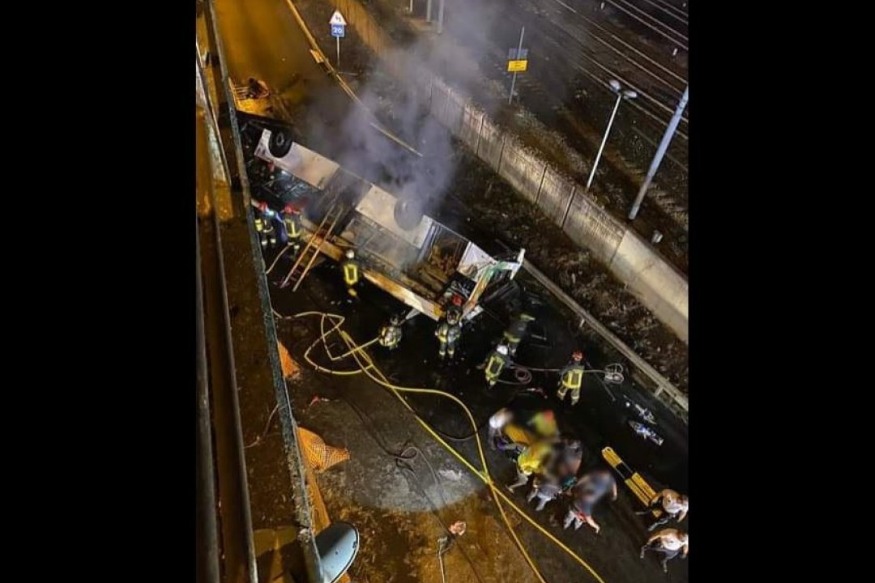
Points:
(351, 271)
(390, 334)
(533, 460)
(495, 364)
(571, 378)
(448, 333)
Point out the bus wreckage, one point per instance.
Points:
(402, 251)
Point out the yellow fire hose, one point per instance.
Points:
(368, 367)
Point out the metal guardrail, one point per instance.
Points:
(207, 521)
(663, 386)
(241, 199)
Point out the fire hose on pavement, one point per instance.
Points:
(367, 366)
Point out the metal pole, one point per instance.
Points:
(518, 51)
(660, 152)
(338, 52)
(604, 140)
(441, 17)
(428, 11)
(411, 7)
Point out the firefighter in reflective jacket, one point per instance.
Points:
(390, 335)
(571, 378)
(350, 272)
(495, 364)
(515, 332)
(264, 225)
(448, 333)
(292, 223)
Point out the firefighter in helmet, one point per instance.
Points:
(448, 333)
(351, 270)
(571, 378)
(291, 218)
(390, 334)
(264, 225)
(515, 332)
(498, 359)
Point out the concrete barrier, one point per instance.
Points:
(491, 143)
(590, 226)
(523, 169)
(447, 106)
(472, 124)
(555, 194)
(654, 281)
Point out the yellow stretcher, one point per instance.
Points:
(639, 486)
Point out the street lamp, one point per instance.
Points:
(625, 94)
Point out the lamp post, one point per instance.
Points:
(624, 94)
(660, 152)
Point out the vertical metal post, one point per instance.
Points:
(410, 10)
(441, 17)
(604, 140)
(518, 51)
(338, 53)
(428, 11)
(660, 152)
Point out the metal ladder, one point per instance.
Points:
(309, 254)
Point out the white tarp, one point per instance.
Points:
(379, 206)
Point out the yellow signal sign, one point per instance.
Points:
(517, 66)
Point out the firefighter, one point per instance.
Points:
(673, 506)
(448, 333)
(390, 334)
(571, 378)
(588, 491)
(350, 269)
(292, 223)
(535, 459)
(544, 424)
(264, 226)
(495, 364)
(668, 542)
(456, 306)
(515, 332)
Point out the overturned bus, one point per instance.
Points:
(402, 251)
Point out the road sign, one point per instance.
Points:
(517, 66)
(338, 30)
(512, 54)
(337, 18)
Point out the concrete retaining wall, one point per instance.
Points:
(654, 281)
(522, 168)
(555, 194)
